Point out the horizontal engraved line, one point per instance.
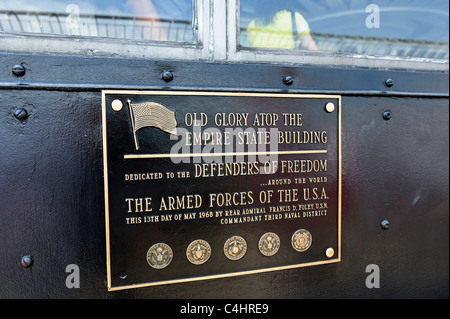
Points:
(143, 156)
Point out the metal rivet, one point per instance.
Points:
(385, 224)
(117, 105)
(26, 261)
(167, 76)
(389, 83)
(387, 115)
(18, 70)
(330, 107)
(288, 80)
(329, 252)
(21, 114)
(123, 276)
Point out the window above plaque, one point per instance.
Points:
(402, 28)
(142, 20)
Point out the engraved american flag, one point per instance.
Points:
(151, 114)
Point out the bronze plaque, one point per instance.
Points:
(202, 185)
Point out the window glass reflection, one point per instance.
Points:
(405, 28)
(275, 25)
(157, 20)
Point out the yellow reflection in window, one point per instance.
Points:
(279, 33)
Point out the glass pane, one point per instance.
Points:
(159, 20)
(404, 28)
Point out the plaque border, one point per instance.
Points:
(224, 94)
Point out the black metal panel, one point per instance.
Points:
(89, 73)
(51, 177)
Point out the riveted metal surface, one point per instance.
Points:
(51, 178)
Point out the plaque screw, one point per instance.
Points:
(18, 70)
(21, 114)
(329, 252)
(387, 115)
(385, 224)
(330, 107)
(288, 80)
(167, 76)
(389, 83)
(117, 105)
(26, 261)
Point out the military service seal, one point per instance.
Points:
(269, 244)
(235, 248)
(198, 252)
(301, 240)
(159, 256)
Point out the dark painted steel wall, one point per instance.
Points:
(51, 177)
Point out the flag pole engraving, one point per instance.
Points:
(151, 114)
(132, 124)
